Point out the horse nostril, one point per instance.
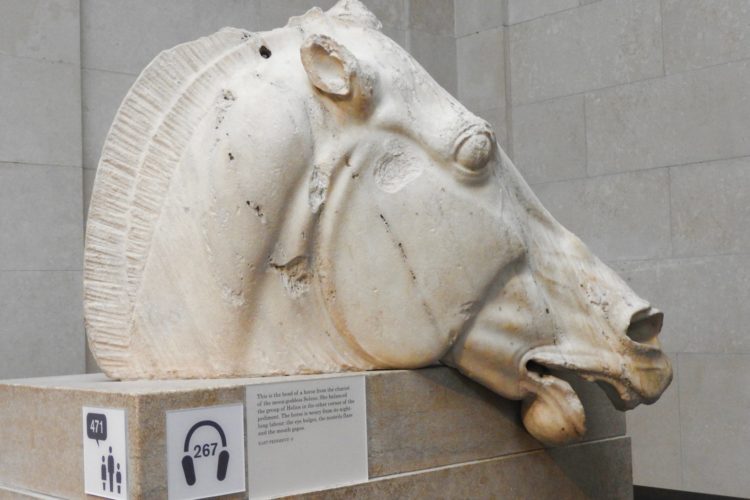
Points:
(645, 326)
(474, 152)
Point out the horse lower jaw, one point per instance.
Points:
(552, 412)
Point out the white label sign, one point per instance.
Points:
(306, 435)
(105, 454)
(205, 452)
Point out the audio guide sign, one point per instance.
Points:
(205, 452)
(105, 452)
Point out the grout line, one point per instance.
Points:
(704, 353)
(41, 60)
(585, 139)
(632, 82)
(609, 174)
(4, 163)
(669, 210)
(434, 35)
(678, 258)
(407, 14)
(648, 169)
(507, 68)
(548, 14)
(475, 33)
(456, 72)
(661, 32)
(102, 70)
(679, 422)
(81, 116)
(41, 270)
(455, 26)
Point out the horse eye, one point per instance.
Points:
(474, 152)
(264, 52)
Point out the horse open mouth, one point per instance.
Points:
(553, 413)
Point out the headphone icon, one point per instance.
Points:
(188, 467)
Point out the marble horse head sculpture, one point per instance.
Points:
(309, 200)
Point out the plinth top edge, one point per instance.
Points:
(98, 382)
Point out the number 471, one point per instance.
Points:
(206, 450)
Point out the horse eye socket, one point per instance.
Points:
(264, 52)
(474, 152)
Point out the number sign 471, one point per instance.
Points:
(97, 426)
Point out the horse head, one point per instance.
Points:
(310, 200)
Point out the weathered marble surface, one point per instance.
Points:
(309, 200)
(418, 422)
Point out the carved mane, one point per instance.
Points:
(142, 150)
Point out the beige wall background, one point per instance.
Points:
(629, 118)
(631, 121)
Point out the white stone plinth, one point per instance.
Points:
(431, 433)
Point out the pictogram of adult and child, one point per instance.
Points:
(111, 475)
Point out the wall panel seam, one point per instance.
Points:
(648, 169)
(661, 31)
(40, 60)
(543, 16)
(632, 82)
(7, 163)
(104, 70)
(585, 139)
(679, 422)
(679, 257)
(507, 68)
(73, 270)
(669, 211)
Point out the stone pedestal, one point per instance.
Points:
(431, 433)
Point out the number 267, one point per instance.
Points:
(206, 450)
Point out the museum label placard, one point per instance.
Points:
(306, 435)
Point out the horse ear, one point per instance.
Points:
(355, 12)
(335, 71)
(329, 65)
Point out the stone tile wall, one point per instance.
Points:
(41, 217)
(65, 66)
(630, 120)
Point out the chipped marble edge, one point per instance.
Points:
(99, 382)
